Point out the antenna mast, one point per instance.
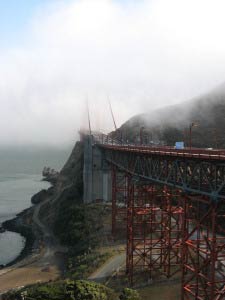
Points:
(110, 106)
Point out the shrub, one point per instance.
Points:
(86, 290)
(129, 294)
(65, 290)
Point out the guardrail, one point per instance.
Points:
(197, 153)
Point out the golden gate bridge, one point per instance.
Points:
(172, 202)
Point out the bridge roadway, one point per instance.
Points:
(197, 153)
(195, 170)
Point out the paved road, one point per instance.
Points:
(109, 268)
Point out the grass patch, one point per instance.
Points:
(170, 291)
(80, 267)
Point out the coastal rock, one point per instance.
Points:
(2, 229)
(50, 175)
(69, 186)
(19, 225)
(42, 195)
(39, 197)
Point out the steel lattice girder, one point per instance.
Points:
(206, 177)
(119, 199)
(203, 255)
(202, 218)
(153, 231)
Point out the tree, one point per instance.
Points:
(86, 290)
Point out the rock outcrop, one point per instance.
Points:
(68, 185)
(50, 175)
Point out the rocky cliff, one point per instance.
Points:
(68, 186)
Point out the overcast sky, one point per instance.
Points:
(54, 54)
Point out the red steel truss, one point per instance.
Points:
(169, 233)
(119, 200)
(153, 231)
(203, 255)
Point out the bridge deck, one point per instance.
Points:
(196, 153)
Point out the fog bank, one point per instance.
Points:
(141, 54)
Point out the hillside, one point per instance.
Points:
(68, 187)
(171, 124)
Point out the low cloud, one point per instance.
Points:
(141, 54)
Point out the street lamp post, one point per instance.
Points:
(215, 134)
(141, 135)
(185, 137)
(151, 138)
(119, 136)
(193, 124)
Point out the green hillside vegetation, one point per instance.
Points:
(71, 290)
(81, 228)
(65, 290)
(75, 226)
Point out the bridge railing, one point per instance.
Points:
(108, 141)
(101, 138)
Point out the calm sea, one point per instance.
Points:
(20, 178)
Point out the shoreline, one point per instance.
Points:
(23, 224)
(42, 258)
(18, 225)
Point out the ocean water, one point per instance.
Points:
(20, 179)
(15, 195)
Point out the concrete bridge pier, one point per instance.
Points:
(96, 173)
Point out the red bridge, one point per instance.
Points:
(173, 202)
